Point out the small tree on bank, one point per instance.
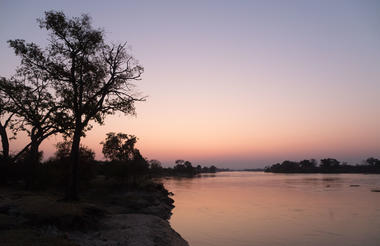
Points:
(91, 78)
(126, 159)
(119, 147)
(86, 170)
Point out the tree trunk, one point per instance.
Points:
(4, 159)
(72, 186)
(4, 142)
(34, 161)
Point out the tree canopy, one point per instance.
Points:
(119, 147)
(88, 78)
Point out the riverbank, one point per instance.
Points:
(106, 215)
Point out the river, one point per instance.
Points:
(265, 209)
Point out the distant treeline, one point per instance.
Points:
(124, 164)
(181, 168)
(327, 165)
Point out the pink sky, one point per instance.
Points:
(236, 85)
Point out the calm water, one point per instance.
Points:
(255, 208)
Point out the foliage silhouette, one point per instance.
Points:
(327, 165)
(126, 161)
(119, 147)
(181, 168)
(373, 162)
(5, 120)
(38, 114)
(91, 79)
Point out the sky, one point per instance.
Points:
(238, 84)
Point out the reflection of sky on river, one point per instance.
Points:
(250, 208)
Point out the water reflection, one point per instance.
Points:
(251, 208)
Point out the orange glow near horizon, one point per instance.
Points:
(211, 139)
(236, 85)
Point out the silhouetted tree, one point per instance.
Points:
(179, 166)
(34, 106)
(212, 169)
(189, 169)
(373, 162)
(180, 162)
(305, 164)
(5, 120)
(91, 79)
(119, 147)
(185, 167)
(188, 164)
(329, 163)
(8, 124)
(86, 168)
(290, 165)
(155, 166)
(199, 169)
(64, 148)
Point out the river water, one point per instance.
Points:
(265, 209)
